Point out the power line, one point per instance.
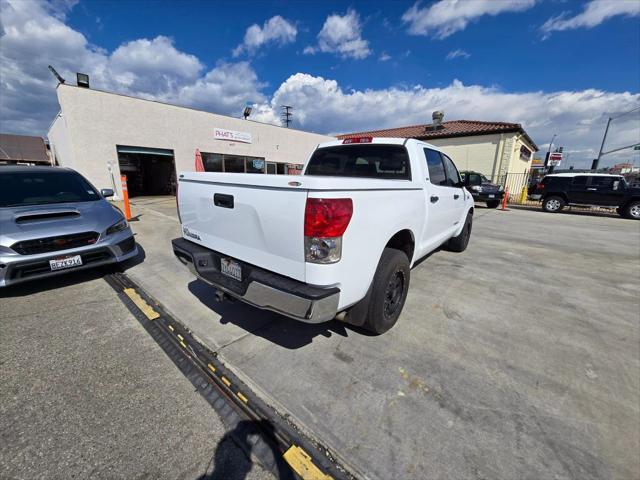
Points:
(286, 115)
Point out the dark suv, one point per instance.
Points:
(589, 190)
(481, 189)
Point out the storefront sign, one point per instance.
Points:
(231, 135)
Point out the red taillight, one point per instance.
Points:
(349, 141)
(540, 186)
(327, 217)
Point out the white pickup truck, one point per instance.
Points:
(337, 241)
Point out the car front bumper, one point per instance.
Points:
(15, 268)
(259, 287)
(487, 197)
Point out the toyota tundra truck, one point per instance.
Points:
(337, 241)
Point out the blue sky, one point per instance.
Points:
(555, 66)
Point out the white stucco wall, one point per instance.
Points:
(98, 121)
(477, 153)
(59, 142)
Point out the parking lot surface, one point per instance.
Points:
(516, 359)
(87, 393)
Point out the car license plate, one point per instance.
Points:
(67, 262)
(492, 196)
(231, 268)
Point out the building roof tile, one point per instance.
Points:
(454, 128)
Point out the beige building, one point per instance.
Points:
(103, 135)
(491, 148)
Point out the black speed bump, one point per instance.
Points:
(281, 447)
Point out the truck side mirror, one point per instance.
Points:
(106, 192)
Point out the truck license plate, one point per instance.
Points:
(231, 268)
(68, 262)
(492, 196)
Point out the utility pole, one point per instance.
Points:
(594, 166)
(286, 115)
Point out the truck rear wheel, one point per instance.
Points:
(460, 242)
(632, 210)
(388, 291)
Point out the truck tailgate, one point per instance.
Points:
(256, 218)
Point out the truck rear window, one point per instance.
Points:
(387, 162)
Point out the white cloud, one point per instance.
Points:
(341, 34)
(446, 17)
(276, 30)
(594, 13)
(577, 117)
(459, 53)
(384, 57)
(34, 35)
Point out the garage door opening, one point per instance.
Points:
(149, 171)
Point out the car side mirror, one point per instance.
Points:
(106, 192)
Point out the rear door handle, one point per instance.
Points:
(222, 200)
(434, 199)
(456, 196)
(592, 189)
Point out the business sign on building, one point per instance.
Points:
(555, 159)
(231, 135)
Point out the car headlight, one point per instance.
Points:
(117, 227)
(500, 188)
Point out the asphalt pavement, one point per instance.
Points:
(518, 358)
(87, 393)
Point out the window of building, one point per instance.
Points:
(525, 153)
(218, 162)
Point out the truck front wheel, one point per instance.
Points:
(388, 291)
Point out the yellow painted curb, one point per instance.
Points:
(301, 463)
(144, 307)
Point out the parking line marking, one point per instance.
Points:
(181, 337)
(170, 328)
(302, 464)
(144, 307)
(242, 397)
(183, 344)
(211, 367)
(225, 381)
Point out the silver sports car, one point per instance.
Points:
(53, 220)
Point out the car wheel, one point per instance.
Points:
(633, 210)
(388, 291)
(553, 204)
(493, 204)
(460, 242)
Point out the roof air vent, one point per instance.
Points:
(437, 117)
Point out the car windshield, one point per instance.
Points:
(41, 188)
(388, 162)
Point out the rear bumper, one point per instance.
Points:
(259, 287)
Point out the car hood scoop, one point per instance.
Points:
(45, 214)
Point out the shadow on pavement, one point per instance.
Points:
(569, 211)
(286, 332)
(244, 436)
(71, 277)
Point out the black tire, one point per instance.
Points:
(388, 291)
(553, 204)
(459, 243)
(493, 203)
(632, 210)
